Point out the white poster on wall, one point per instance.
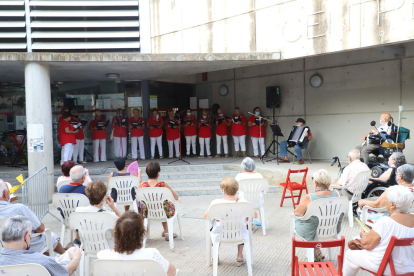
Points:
(153, 101)
(203, 103)
(20, 122)
(134, 101)
(35, 138)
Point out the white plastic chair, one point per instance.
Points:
(154, 199)
(92, 227)
(123, 186)
(253, 190)
(68, 203)
(128, 267)
(361, 181)
(46, 232)
(328, 211)
(62, 183)
(232, 217)
(25, 269)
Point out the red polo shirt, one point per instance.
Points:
(118, 129)
(137, 132)
(80, 135)
(172, 133)
(237, 129)
(204, 131)
(66, 138)
(254, 131)
(98, 134)
(155, 132)
(190, 130)
(222, 128)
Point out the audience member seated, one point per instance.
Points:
(405, 177)
(229, 187)
(248, 168)
(396, 160)
(8, 210)
(77, 176)
(121, 167)
(129, 237)
(18, 249)
(307, 228)
(400, 224)
(355, 166)
(153, 171)
(66, 166)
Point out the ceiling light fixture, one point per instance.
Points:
(112, 76)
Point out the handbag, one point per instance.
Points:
(355, 244)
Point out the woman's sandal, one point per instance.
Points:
(318, 255)
(167, 236)
(239, 261)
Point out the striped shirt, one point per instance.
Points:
(16, 257)
(349, 174)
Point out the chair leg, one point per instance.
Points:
(147, 232)
(87, 265)
(350, 215)
(82, 264)
(262, 218)
(311, 255)
(330, 253)
(248, 258)
(62, 235)
(148, 228)
(180, 226)
(293, 199)
(310, 160)
(208, 249)
(283, 197)
(300, 195)
(170, 223)
(215, 257)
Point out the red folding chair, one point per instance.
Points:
(317, 268)
(387, 259)
(294, 186)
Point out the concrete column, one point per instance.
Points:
(145, 27)
(39, 111)
(146, 113)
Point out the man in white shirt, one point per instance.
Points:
(355, 166)
(366, 148)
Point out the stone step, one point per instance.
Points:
(209, 190)
(178, 183)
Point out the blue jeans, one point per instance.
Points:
(297, 148)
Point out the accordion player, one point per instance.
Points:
(298, 136)
(298, 139)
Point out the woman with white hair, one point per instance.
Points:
(307, 228)
(98, 128)
(399, 200)
(396, 160)
(248, 167)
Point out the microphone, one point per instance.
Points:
(373, 124)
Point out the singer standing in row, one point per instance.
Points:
(190, 132)
(119, 125)
(257, 132)
(98, 128)
(136, 127)
(79, 147)
(239, 132)
(155, 124)
(204, 133)
(222, 130)
(67, 137)
(172, 126)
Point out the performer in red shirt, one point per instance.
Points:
(119, 125)
(60, 120)
(190, 132)
(80, 138)
(238, 131)
(136, 128)
(155, 124)
(204, 133)
(257, 132)
(222, 130)
(173, 134)
(98, 128)
(67, 137)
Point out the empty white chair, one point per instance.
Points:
(154, 199)
(123, 186)
(361, 181)
(62, 183)
(232, 217)
(328, 212)
(25, 269)
(127, 267)
(92, 227)
(68, 203)
(253, 190)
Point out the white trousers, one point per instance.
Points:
(174, 143)
(78, 150)
(99, 143)
(134, 147)
(158, 141)
(204, 141)
(67, 152)
(255, 142)
(239, 143)
(355, 259)
(191, 141)
(120, 146)
(225, 144)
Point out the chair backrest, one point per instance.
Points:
(154, 198)
(232, 217)
(361, 182)
(24, 269)
(92, 227)
(304, 171)
(2, 222)
(68, 203)
(127, 267)
(328, 211)
(252, 188)
(123, 186)
(387, 259)
(62, 183)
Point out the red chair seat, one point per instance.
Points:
(322, 268)
(294, 186)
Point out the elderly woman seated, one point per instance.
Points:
(396, 160)
(404, 176)
(399, 199)
(129, 237)
(248, 168)
(66, 166)
(307, 228)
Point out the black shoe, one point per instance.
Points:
(77, 242)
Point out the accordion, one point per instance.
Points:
(297, 136)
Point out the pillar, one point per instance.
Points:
(146, 113)
(39, 111)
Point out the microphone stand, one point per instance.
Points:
(179, 158)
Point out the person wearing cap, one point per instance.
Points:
(98, 129)
(297, 148)
(67, 137)
(80, 138)
(119, 124)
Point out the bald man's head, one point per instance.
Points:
(354, 155)
(384, 117)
